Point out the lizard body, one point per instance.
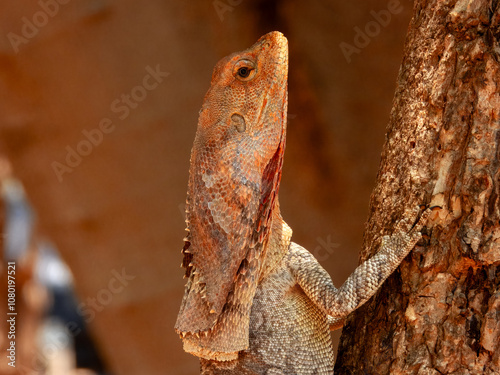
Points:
(255, 302)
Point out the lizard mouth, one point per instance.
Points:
(274, 44)
(276, 40)
(278, 44)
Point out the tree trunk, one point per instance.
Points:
(439, 313)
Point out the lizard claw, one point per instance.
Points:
(407, 230)
(405, 225)
(409, 224)
(421, 221)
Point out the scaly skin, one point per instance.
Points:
(255, 302)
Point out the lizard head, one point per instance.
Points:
(247, 87)
(235, 172)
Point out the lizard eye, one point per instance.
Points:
(244, 70)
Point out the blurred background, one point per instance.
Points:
(99, 102)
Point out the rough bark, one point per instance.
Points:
(439, 313)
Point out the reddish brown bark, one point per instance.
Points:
(439, 313)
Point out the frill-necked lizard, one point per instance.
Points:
(255, 302)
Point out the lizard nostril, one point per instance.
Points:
(239, 122)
